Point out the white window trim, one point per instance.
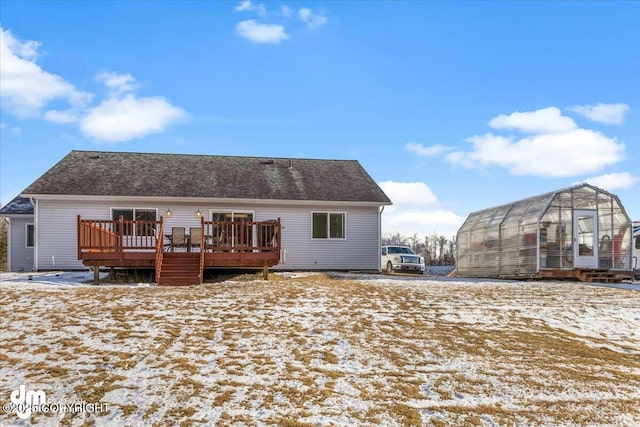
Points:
(344, 226)
(233, 212)
(26, 235)
(123, 208)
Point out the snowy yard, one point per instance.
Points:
(310, 349)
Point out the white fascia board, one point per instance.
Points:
(200, 200)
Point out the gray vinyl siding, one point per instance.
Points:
(57, 231)
(21, 257)
(358, 251)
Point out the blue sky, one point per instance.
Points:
(451, 106)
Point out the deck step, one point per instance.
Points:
(598, 275)
(180, 269)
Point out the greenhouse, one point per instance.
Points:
(579, 232)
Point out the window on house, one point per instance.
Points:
(142, 228)
(31, 236)
(145, 228)
(233, 234)
(328, 225)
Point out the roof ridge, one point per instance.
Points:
(214, 155)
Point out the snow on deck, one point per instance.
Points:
(324, 350)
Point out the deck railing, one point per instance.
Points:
(202, 246)
(237, 242)
(97, 236)
(116, 235)
(159, 249)
(241, 236)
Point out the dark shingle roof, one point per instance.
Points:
(18, 206)
(181, 175)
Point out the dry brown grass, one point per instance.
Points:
(295, 351)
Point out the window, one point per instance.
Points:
(142, 228)
(31, 235)
(328, 225)
(231, 232)
(145, 228)
(637, 242)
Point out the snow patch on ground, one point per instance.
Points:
(339, 349)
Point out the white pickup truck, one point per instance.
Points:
(401, 258)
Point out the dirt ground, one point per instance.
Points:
(312, 349)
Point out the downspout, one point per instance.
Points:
(36, 237)
(379, 262)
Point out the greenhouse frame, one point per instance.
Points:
(580, 232)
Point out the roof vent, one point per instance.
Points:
(266, 162)
(94, 156)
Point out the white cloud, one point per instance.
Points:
(416, 209)
(117, 83)
(612, 114)
(249, 6)
(614, 181)
(430, 151)
(286, 11)
(58, 116)
(577, 152)
(25, 88)
(546, 120)
(117, 120)
(557, 148)
(409, 193)
(313, 20)
(261, 33)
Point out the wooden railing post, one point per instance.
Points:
(159, 249)
(279, 238)
(202, 249)
(120, 242)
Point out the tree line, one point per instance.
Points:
(436, 249)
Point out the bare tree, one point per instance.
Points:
(414, 242)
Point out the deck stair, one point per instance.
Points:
(180, 269)
(598, 275)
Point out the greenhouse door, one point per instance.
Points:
(585, 232)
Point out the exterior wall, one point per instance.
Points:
(360, 250)
(56, 233)
(20, 257)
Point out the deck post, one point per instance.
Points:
(265, 272)
(120, 243)
(96, 274)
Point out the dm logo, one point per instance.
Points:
(26, 400)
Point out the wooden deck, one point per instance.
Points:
(130, 243)
(587, 275)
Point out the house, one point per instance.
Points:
(578, 232)
(18, 214)
(114, 209)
